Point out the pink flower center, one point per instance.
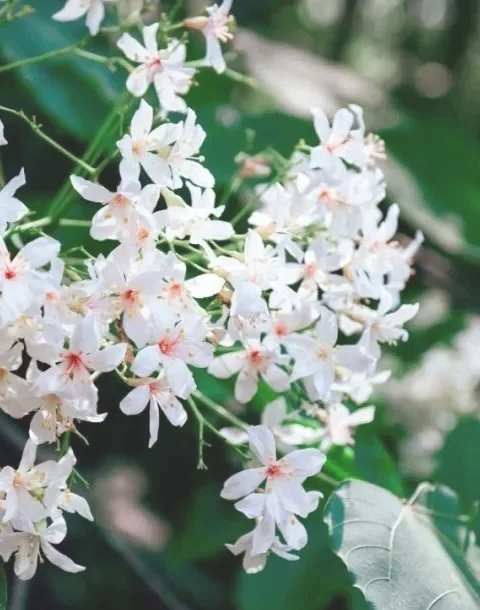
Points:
(131, 299)
(274, 471)
(120, 200)
(74, 362)
(168, 346)
(281, 329)
(256, 357)
(10, 273)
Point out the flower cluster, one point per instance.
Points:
(302, 302)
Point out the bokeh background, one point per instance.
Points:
(414, 65)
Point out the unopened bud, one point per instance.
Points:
(225, 296)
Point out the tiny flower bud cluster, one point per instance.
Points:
(302, 302)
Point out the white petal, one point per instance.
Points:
(205, 285)
(153, 422)
(362, 416)
(277, 378)
(214, 54)
(135, 401)
(274, 413)
(108, 359)
(246, 386)
(95, 16)
(138, 81)
(146, 361)
(41, 251)
(174, 412)
(73, 9)
(91, 191)
(263, 535)
(242, 483)
(293, 531)
(305, 462)
(252, 506)
(262, 443)
(227, 365)
(142, 121)
(58, 559)
(132, 48)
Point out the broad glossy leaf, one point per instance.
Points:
(75, 92)
(404, 555)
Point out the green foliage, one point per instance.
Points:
(413, 554)
(307, 584)
(74, 92)
(443, 159)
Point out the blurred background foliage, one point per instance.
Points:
(158, 541)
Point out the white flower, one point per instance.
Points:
(166, 153)
(216, 29)
(156, 393)
(164, 68)
(28, 545)
(174, 344)
(2, 137)
(75, 9)
(180, 220)
(256, 563)
(58, 495)
(384, 327)
(121, 210)
(316, 356)
(340, 424)
(23, 488)
(287, 434)
(284, 495)
(21, 282)
(341, 141)
(72, 365)
(251, 363)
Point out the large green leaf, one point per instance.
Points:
(75, 92)
(404, 555)
(442, 162)
(307, 584)
(459, 458)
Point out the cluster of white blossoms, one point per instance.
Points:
(301, 302)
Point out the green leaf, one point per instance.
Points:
(442, 162)
(307, 584)
(209, 513)
(404, 554)
(75, 92)
(226, 138)
(459, 458)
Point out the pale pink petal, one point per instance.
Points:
(205, 285)
(91, 191)
(262, 443)
(58, 559)
(305, 462)
(132, 48)
(263, 535)
(153, 422)
(73, 9)
(95, 16)
(242, 483)
(227, 365)
(246, 386)
(135, 401)
(252, 506)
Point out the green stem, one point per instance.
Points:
(65, 444)
(219, 410)
(67, 194)
(201, 422)
(38, 58)
(37, 129)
